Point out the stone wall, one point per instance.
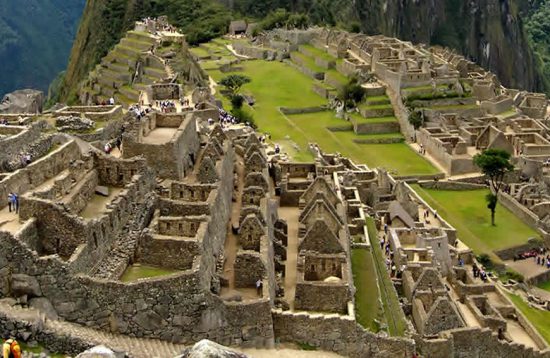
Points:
(18, 142)
(322, 297)
(39, 171)
(338, 334)
(249, 268)
(526, 215)
(363, 127)
(172, 159)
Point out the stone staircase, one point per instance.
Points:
(134, 347)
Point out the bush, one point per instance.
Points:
(243, 117)
(237, 101)
(510, 274)
(352, 93)
(485, 261)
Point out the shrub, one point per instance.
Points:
(237, 101)
(485, 261)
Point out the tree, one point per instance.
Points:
(352, 93)
(494, 163)
(416, 119)
(233, 83)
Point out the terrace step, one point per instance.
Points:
(134, 347)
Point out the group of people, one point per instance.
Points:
(226, 118)
(109, 102)
(4, 122)
(166, 106)
(139, 111)
(479, 272)
(13, 202)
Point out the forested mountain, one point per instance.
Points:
(498, 34)
(35, 40)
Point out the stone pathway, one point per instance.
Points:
(291, 215)
(135, 347)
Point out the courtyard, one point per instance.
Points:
(467, 211)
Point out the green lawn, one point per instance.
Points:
(136, 272)
(395, 317)
(309, 62)
(319, 53)
(538, 318)
(398, 157)
(467, 212)
(367, 302)
(545, 286)
(276, 84)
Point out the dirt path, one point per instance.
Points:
(291, 215)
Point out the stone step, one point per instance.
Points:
(135, 347)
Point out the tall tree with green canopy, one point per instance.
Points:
(494, 163)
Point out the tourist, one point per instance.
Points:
(108, 148)
(382, 242)
(475, 270)
(259, 285)
(460, 262)
(11, 202)
(112, 101)
(548, 264)
(11, 349)
(386, 229)
(277, 149)
(538, 260)
(16, 202)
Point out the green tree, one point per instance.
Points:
(234, 83)
(352, 93)
(494, 163)
(416, 119)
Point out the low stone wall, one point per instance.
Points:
(380, 140)
(509, 253)
(33, 330)
(39, 171)
(340, 334)
(374, 113)
(449, 185)
(95, 113)
(361, 127)
(290, 111)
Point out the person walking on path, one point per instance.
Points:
(10, 201)
(16, 202)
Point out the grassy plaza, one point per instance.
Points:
(467, 211)
(276, 84)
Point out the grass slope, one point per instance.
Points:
(367, 304)
(467, 212)
(276, 84)
(538, 318)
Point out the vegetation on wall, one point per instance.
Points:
(538, 29)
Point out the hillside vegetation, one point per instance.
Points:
(490, 32)
(538, 29)
(35, 41)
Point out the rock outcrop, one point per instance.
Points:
(22, 101)
(209, 349)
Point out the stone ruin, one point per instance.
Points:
(253, 250)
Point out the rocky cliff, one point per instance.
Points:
(490, 32)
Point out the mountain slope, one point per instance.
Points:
(491, 32)
(35, 40)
